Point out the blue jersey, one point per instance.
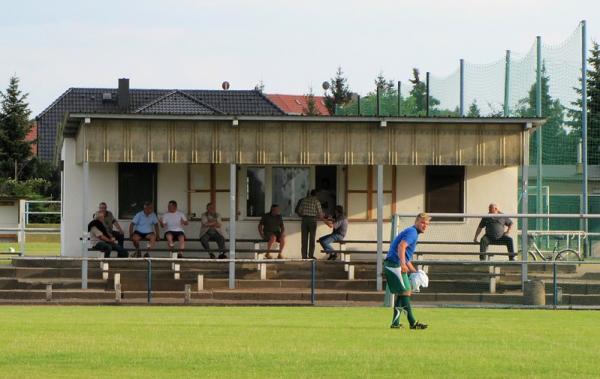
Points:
(409, 235)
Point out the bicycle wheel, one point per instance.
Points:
(568, 255)
(531, 256)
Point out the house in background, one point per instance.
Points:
(123, 100)
(32, 137)
(298, 104)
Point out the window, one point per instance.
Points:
(361, 192)
(255, 191)
(290, 184)
(137, 184)
(208, 183)
(444, 190)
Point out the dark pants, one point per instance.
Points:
(309, 231)
(106, 248)
(213, 235)
(120, 237)
(504, 240)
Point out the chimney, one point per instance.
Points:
(123, 94)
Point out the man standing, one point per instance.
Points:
(310, 210)
(495, 233)
(397, 264)
(110, 222)
(271, 229)
(144, 226)
(174, 221)
(210, 230)
(340, 227)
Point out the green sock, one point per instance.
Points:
(405, 304)
(397, 311)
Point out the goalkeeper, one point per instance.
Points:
(396, 267)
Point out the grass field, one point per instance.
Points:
(266, 342)
(34, 248)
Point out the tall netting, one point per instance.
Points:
(484, 89)
(445, 93)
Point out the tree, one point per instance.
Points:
(557, 145)
(387, 87)
(260, 87)
(419, 93)
(338, 93)
(311, 105)
(593, 107)
(474, 110)
(14, 127)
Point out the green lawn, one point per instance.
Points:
(311, 342)
(34, 248)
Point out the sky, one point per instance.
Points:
(289, 46)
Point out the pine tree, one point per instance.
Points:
(474, 110)
(419, 93)
(260, 87)
(14, 127)
(311, 105)
(387, 87)
(340, 92)
(557, 146)
(593, 107)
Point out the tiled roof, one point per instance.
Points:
(148, 101)
(176, 102)
(297, 104)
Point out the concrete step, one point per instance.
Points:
(8, 283)
(7, 272)
(51, 272)
(59, 284)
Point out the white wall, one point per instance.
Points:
(72, 199)
(9, 214)
(483, 185)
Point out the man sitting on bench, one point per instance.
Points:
(271, 230)
(340, 226)
(174, 221)
(144, 226)
(495, 234)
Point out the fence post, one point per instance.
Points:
(21, 235)
(149, 277)
(313, 280)
(539, 208)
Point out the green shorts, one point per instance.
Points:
(397, 281)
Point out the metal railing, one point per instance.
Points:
(22, 229)
(85, 262)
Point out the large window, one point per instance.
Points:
(255, 191)
(290, 184)
(444, 190)
(208, 183)
(137, 184)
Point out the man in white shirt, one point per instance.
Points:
(173, 222)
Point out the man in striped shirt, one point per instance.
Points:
(310, 210)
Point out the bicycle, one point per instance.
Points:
(535, 253)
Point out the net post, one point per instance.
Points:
(462, 88)
(507, 84)
(584, 137)
(427, 94)
(399, 96)
(538, 134)
(379, 226)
